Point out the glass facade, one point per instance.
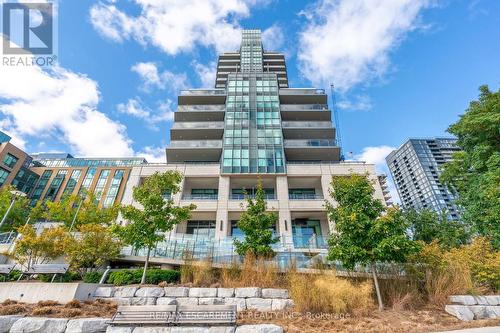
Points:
(3, 175)
(10, 160)
(44, 179)
(87, 181)
(55, 185)
(86, 162)
(253, 139)
(72, 181)
(25, 180)
(114, 187)
(101, 183)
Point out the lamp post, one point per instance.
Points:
(76, 213)
(15, 195)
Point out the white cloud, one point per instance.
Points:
(358, 103)
(348, 42)
(175, 25)
(134, 107)
(59, 105)
(273, 38)
(152, 77)
(377, 155)
(206, 73)
(153, 154)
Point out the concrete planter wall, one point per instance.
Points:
(18, 324)
(34, 292)
(468, 307)
(259, 299)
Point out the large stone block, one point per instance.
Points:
(492, 311)
(221, 329)
(278, 304)
(210, 301)
(103, 292)
(259, 304)
(481, 300)
(479, 311)
(187, 301)
(225, 292)
(87, 325)
(39, 325)
(119, 300)
(493, 299)
(191, 329)
(119, 329)
(462, 299)
(202, 292)
(6, 322)
(275, 293)
(150, 292)
(176, 291)
(125, 291)
(462, 312)
(247, 292)
(166, 301)
(152, 330)
(241, 304)
(143, 301)
(264, 328)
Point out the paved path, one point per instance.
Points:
(492, 329)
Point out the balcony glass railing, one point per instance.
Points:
(203, 92)
(199, 125)
(304, 107)
(301, 91)
(200, 197)
(196, 144)
(267, 196)
(216, 107)
(307, 124)
(305, 196)
(310, 143)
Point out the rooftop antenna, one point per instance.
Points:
(336, 121)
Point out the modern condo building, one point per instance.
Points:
(252, 125)
(415, 168)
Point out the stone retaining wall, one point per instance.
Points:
(468, 307)
(259, 299)
(19, 324)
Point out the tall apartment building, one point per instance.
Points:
(63, 174)
(252, 126)
(415, 168)
(14, 166)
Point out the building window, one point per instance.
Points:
(101, 183)
(201, 228)
(87, 181)
(10, 160)
(113, 188)
(55, 185)
(40, 187)
(72, 181)
(3, 175)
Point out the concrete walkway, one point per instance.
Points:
(491, 329)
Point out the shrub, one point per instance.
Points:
(329, 294)
(13, 276)
(153, 276)
(92, 277)
(66, 277)
(198, 273)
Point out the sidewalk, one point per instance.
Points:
(491, 329)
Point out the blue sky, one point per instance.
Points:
(403, 68)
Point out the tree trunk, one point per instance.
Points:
(143, 279)
(377, 288)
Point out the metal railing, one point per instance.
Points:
(200, 197)
(212, 107)
(252, 196)
(309, 143)
(195, 144)
(301, 91)
(306, 124)
(305, 196)
(7, 237)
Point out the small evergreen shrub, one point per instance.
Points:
(92, 277)
(133, 276)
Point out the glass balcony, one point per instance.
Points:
(199, 125)
(200, 197)
(310, 143)
(196, 144)
(305, 196)
(203, 92)
(302, 91)
(307, 124)
(267, 196)
(203, 107)
(304, 107)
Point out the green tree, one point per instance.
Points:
(474, 172)
(92, 247)
(363, 234)
(19, 212)
(158, 215)
(256, 224)
(427, 226)
(38, 248)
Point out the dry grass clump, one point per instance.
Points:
(198, 273)
(47, 303)
(329, 294)
(74, 304)
(97, 308)
(43, 311)
(13, 308)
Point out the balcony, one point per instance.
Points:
(308, 130)
(200, 197)
(202, 96)
(197, 130)
(302, 96)
(184, 151)
(305, 196)
(311, 150)
(200, 113)
(267, 196)
(305, 112)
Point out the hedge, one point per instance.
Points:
(133, 276)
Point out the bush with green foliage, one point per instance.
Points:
(133, 276)
(92, 277)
